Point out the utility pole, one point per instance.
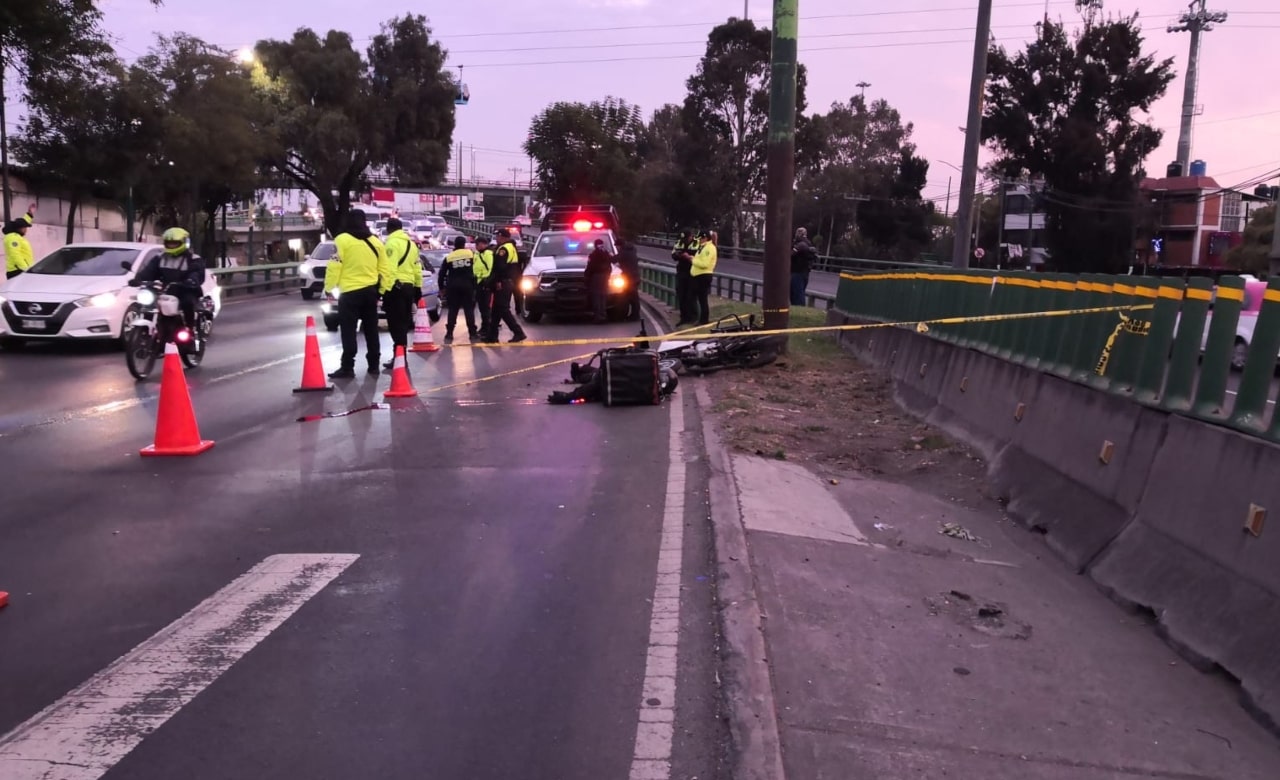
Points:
(6, 195)
(781, 163)
(1196, 20)
(1275, 234)
(972, 135)
(862, 85)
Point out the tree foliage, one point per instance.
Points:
(726, 117)
(1066, 109)
(1254, 252)
(334, 114)
(861, 150)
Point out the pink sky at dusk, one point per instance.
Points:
(520, 56)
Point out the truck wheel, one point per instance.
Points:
(308, 294)
(533, 316)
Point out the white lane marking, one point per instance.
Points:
(655, 732)
(85, 733)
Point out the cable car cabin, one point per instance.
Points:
(581, 218)
(461, 93)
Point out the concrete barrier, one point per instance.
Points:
(1213, 584)
(1149, 504)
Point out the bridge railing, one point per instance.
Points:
(659, 281)
(238, 281)
(1163, 342)
(822, 263)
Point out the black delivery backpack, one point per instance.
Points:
(629, 377)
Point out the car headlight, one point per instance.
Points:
(146, 297)
(528, 283)
(104, 299)
(618, 282)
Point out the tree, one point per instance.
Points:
(84, 131)
(1064, 109)
(212, 137)
(858, 169)
(726, 114)
(335, 115)
(594, 153)
(1252, 255)
(38, 38)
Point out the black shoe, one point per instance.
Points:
(448, 338)
(374, 370)
(516, 339)
(343, 373)
(390, 364)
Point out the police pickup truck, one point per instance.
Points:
(554, 281)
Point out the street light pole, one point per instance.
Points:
(972, 135)
(781, 164)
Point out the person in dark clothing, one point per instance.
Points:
(458, 282)
(685, 248)
(802, 256)
(507, 270)
(629, 262)
(179, 269)
(599, 269)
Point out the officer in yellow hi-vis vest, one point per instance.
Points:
(18, 256)
(458, 286)
(358, 276)
(482, 269)
(400, 300)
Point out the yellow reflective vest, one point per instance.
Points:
(402, 253)
(704, 262)
(483, 266)
(17, 253)
(360, 263)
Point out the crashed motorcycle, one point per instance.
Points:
(708, 355)
(159, 322)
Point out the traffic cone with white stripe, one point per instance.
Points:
(401, 385)
(422, 340)
(313, 378)
(176, 429)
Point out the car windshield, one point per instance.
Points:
(324, 252)
(85, 261)
(561, 244)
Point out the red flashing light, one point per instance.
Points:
(582, 225)
(598, 225)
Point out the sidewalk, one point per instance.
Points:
(896, 651)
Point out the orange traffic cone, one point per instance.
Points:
(4, 599)
(313, 378)
(401, 386)
(422, 341)
(176, 430)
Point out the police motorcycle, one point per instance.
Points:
(160, 322)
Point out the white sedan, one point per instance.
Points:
(79, 292)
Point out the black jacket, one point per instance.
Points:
(185, 270)
(802, 256)
(599, 265)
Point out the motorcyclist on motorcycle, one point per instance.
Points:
(179, 269)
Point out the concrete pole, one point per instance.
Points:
(1189, 103)
(1275, 238)
(5, 195)
(781, 165)
(972, 136)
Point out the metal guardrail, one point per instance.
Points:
(257, 278)
(823, 262)
(1162, 357)
(659, 281)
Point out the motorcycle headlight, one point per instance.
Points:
(104, 299)
(146, 297)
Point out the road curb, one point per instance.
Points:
(747, 687)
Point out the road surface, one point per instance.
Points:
(464, 586)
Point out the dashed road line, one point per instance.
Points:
(88, 731)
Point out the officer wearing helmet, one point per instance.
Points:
(181, 271)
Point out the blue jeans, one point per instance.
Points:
(799, 281)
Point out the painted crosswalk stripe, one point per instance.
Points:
(85, 733)
(655, 733)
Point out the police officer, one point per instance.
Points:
(398, 303)
(458, 283)
(702, 272)
(18, 256)
(685, 248)
(506, 278)
(482, 269)
(360, 273)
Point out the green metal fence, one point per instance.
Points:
(659, 280)
(1154, 349)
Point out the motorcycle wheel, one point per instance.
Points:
(139, 353)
